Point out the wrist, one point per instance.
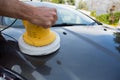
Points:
(25, 11)
(16, 9)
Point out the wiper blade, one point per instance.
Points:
(95, 22)
(66, 24)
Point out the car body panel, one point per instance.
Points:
(86, 53)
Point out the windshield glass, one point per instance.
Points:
(8, 21)
(65, 15)
(72, 16)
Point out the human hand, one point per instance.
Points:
(43, 16)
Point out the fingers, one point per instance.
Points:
(53, 16)
(44, 16)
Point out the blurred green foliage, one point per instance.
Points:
(103, 18)
(93, 13)
(70, 2)
(106, 18)
(58, 1)
(82, 5)
(117, 16)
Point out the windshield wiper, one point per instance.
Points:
(95, 22)
(66, 24)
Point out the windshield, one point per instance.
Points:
(72, 17)
(65, 15)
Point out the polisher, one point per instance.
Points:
(37, 41)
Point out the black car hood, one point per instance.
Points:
(86, 53)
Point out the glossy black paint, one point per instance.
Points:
(86, 53)
(9, 75)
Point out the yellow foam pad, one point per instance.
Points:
(37, 35)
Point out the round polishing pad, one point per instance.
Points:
(38, 51)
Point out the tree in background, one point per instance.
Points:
(111, 15)
(58, 1)
(70, 2)
(82, 5)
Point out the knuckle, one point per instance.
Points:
(54, 9)
(48, 24)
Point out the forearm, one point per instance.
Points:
(16, 9)
(41, 16)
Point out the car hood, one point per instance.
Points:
(86, 53)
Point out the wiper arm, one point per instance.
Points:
(95, 22)
(66, 24)
(62, 24)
